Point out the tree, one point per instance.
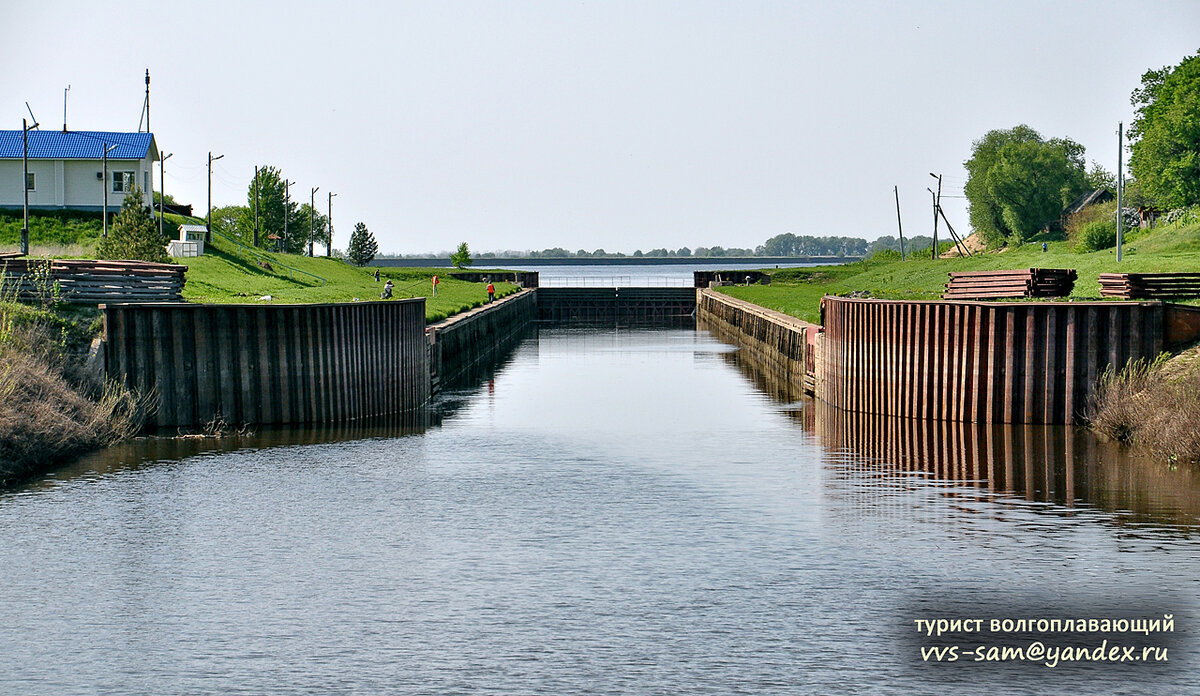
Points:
(134, 233)
(1017, 182)
(298, 228)
(271, 203)
(462, 256)
(1165, 135)
(362, 245)
(230, 221)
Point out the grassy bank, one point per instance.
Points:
(1153, 407)
(227, 275)
(798, 292)
(53, 408)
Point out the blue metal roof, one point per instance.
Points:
(55, 144)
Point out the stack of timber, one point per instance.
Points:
(92, 281)
(1026, 282)
(1132, 286)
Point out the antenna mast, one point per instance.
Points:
(145, 106)
(68, 89)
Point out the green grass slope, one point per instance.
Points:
(798, 291)
(226, 274)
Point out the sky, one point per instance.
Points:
(617, 125)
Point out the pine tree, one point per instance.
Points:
(362, 245)
(134, 233)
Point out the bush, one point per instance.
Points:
(1143, 406)
(1095, 235)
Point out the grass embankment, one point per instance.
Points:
(798, 291)
(52, 407)
(1153, 407)
(225, 275)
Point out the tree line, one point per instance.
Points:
(1019, 183)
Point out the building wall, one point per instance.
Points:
(70, 183)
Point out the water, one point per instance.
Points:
(635, 275)
(610, 512)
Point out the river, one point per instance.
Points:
(610, 512)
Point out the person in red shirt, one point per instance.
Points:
(491, 290)
(435, 284)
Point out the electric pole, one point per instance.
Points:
(937, 203)
(162, 186)
(1120, 187)
(25, 128)
(208, 224)
(104, 185)
(312, 211)
(329, 221)
(899, 225)
(287, 211)
(256, 206)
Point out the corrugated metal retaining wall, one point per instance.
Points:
(267, 364)
(463, 340)
(992, 362)
(783, 344)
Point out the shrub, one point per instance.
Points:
(1144, 406)
(1096, 235)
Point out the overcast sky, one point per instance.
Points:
(615, 125)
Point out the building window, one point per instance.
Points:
(30, 182)
(122, 181)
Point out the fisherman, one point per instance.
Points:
(376, 275)
(387, 290)
(435, 284)
(491, 291)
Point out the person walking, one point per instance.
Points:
(435, 284)
(491, 291)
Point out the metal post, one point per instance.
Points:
(329, 221)
(208, 223)
(1120, 187)
(162, 189)
(899, 225)
(25, 186)
(312, 210)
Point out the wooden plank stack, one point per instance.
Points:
(1141, 286)
(1025, 282)
(91, 281)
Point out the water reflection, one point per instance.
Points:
(1063, 466)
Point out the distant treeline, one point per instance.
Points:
(786, 244)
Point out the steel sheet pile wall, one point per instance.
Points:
(620, 306)
(263, 364)
(463, 340)
(781, 344)
(976, 361)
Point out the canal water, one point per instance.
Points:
(608, 512)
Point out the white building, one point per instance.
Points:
(66, 168)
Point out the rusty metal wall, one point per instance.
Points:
(270, 364)
(989, 362)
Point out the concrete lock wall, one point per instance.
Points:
(270, 364)
(989, 362)
(461, 341)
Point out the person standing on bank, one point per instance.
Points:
(435, 284)
(491, 290)
(376, 275)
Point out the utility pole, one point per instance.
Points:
(25, 128)
(104, 185)
(287, 211)
(937, 203)
(329, 221)
(208, 223)
(1120, 187)
(256, 201)
(896, 190)
(312, 211)
(162, 186)
(68, 89)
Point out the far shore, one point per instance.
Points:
(507, 262)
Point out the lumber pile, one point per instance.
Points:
(1140, 286)
(90, 281)
(1025, 282)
